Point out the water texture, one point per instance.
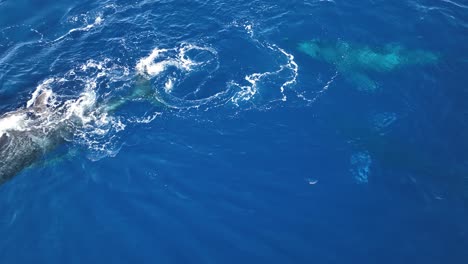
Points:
(233, 131)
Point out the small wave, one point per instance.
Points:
(146, 119)
(13, 122)
(449, 9)
(15, 40)
(97, 21)
(320, 92)
(19, 34)
(453, 3)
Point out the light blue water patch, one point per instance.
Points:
(383, 121)
(361, 166)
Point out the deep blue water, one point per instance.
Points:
(243, 150)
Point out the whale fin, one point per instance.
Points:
(41, 100)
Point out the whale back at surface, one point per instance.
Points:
(20, 147)
(17, 151)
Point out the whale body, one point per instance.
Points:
(23, 138)
(356, 62)
(26, 134)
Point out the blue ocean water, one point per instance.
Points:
(226, 144)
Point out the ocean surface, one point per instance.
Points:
(222, 142)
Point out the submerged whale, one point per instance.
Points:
(356, 62)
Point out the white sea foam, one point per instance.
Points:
(285, 76)
(148, 67)
(13, 122)
(161, 59)
(249, 29)
(20, 120)
(292, 66)
(169, 85)
(146, 119)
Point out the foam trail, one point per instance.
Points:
(96, 22)
(321, 92)
(284, 77)
(290, 69)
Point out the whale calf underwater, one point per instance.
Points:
(356, 62)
